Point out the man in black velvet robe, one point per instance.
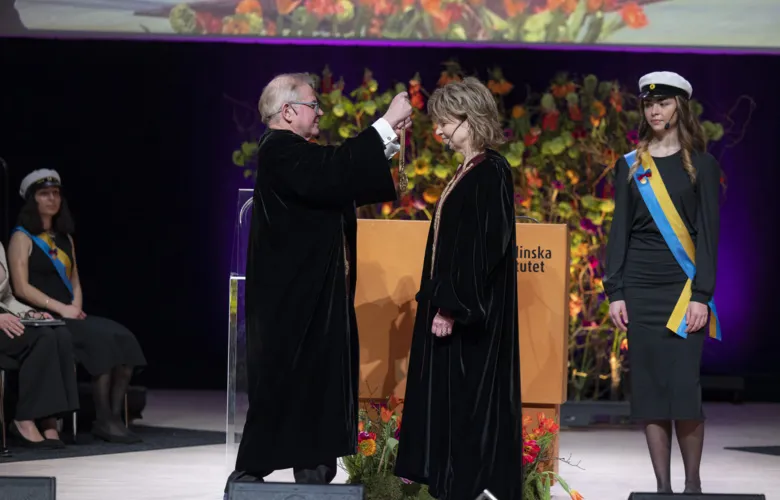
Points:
(302, 341)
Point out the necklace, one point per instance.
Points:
(459, 174)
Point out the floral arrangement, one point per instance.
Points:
(379, 426)
(538, 474)
(573, 21)
(562, 143)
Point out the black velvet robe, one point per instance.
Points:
(302, 341)
(462, 418)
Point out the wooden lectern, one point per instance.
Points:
(389, 267)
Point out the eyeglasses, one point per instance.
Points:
(313, 105)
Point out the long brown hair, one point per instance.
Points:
(689, 131)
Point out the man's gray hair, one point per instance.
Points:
(282, 89)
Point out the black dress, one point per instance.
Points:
(99, 344)
(640, 269)
(462, 425)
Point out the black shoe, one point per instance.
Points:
(46, 444)
(101, 430)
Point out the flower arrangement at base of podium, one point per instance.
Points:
(373, 466)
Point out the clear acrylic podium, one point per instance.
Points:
(237, 402)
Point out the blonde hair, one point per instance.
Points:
(282, 89)
(469, 100)
(690, 133)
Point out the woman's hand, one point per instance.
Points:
(696, 316)
(47, 315)
(72, 312)
(619, 315)
(442, 325)
(11, 325)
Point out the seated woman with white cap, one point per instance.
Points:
(45, 275)
(661, 262)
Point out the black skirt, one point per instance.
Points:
(101, 344)
(664, 367)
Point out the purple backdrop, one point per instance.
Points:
(746, 273)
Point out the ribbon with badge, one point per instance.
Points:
(655, 195)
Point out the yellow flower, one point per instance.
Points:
(573, 177)
(518, 111)
(421, 166)
(367, 448)
(580, 250)
(599, 283)
(387, 208)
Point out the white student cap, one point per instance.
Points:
(38, 179)
(664, 84)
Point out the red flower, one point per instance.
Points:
(363, 436)
(550, 121)
(530, 452)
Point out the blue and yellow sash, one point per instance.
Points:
(653, 190)
(58, 258)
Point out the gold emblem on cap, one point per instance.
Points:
(652, 86)
(643, 180)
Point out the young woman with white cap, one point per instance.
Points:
(660, 270)
(44, 273)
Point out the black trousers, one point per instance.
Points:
(46, 371)
(314, 474)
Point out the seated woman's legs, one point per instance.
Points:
(46, 389)
(110, 353)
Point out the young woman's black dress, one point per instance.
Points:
(640, 269)
(99, 344)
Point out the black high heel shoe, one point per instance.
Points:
(46, 444)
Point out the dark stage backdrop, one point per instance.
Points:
(142, 134)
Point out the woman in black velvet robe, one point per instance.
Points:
(644, 281)
(462, 415)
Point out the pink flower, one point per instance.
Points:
(633, 137)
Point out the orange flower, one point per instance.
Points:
(514, 7)
(633, 15)
(386, 414)
(616, 100)
(394, 402)
(624, 345)
(518, 112)
(569, 6)
(361, 427)
(560, 91)
(501, 87)
(285, 7)
(575, 304)
(249, 7)
(554, 4)
(431, 196)
(575, 495)
(575, 113)
(534, 181)
(367, 448)
(594, 5)
(599, 110)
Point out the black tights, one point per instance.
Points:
(690, 437)
(109, 391)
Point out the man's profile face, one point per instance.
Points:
(305, 118)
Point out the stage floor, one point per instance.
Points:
(613, 461)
